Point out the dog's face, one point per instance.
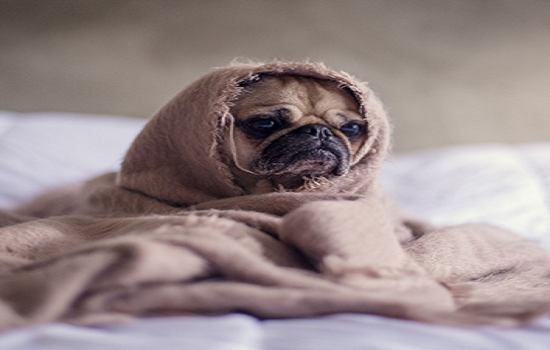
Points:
(290, 128)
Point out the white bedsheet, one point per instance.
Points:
(504, 185)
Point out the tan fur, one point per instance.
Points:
(176, 232)
(310, 101)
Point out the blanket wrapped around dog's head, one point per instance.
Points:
(176, 159)
(178, 230)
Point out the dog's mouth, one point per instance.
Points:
(294, 157)
(316, 162)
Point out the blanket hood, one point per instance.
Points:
(176, 158)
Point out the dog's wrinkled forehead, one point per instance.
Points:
(308, 96)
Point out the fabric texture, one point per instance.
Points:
(171, 233)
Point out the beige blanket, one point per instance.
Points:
(173, 234)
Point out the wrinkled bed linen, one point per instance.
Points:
(475, 169)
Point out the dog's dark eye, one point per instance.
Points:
(353, 129)
(262, 126)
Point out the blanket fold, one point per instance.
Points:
(172, 233)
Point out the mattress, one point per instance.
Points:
(507, 185)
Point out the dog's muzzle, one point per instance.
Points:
(311, 150)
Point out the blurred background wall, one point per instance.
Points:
(449, 71)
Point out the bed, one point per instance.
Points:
(508, 185)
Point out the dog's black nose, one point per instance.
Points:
(318, 131)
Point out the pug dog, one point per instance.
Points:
(289, 130)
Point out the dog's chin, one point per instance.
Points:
(292, 169)
(317, 162)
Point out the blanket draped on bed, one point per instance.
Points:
(173, 234)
